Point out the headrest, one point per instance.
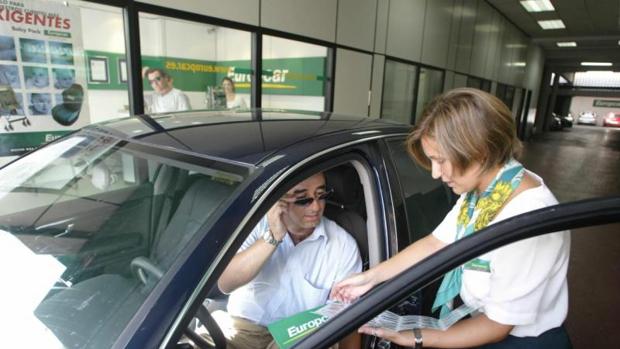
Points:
(345, 183)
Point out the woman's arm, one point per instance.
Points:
(353, 287)
(467, 333)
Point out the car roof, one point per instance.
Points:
(249, 136)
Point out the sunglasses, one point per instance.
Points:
(309, 200)
(157, 78)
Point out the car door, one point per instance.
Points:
(560, 217)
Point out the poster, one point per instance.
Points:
(41, 60)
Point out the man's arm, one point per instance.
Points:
(246, 264)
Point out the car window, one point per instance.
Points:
(88, 226)
(426, 200)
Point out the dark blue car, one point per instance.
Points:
(114, 236)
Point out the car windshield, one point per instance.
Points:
(88, 225)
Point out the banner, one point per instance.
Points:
(42, 79)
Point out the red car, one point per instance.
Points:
(612, 119)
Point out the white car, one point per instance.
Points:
(587, 118)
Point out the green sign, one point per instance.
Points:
(606, 103)
(285, 76)
(289, 331)
(13, 144)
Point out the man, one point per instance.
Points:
(166, 98)
(287, 265)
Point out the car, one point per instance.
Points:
(587, 118)
(567, 120)
(114, 236)
(612, 119)
(556, 123)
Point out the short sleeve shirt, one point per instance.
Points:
(526, 285)
(296, 277)
(174, 100)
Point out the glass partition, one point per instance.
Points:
(398, 91)
(191, 66)
(430, 85)
(294, 74)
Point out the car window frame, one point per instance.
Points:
(360, 151)
(566, 216)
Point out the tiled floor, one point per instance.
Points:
(579, 163)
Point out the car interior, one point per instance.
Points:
(346, 206)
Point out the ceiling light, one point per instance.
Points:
(567, 44)
(597, 64)
(552, 24)
(537, 5)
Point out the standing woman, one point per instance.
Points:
(232, 99)
(467, 138)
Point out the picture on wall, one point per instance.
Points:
(98, 69)
(122, 70)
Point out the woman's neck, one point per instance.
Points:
(486, 178)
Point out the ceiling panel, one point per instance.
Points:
(593, 24)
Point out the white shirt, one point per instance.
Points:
(296, 277)
(526, 286)
(238, 102)
(174, 100)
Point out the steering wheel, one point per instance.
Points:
(143, 269)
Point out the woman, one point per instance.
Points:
(232, 99)
(467, 138)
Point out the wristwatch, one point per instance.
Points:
(268, 237)
(417, 333)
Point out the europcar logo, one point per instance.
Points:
(297, 331)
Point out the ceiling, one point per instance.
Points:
(593, 24)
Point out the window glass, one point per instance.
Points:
(59, 70)
(88, 226)
(192, 66)
(430, 85)
(426, 200)
(294, 74)
(398, 91)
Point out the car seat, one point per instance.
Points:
(346, 206)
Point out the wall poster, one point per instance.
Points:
(42, 75)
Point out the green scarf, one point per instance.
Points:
(476, 213)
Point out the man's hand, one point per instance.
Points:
(275, 219)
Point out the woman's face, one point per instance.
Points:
(441, 168)
(227, 86)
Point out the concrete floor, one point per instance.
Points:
(579, 163)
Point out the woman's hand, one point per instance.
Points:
(404, 338)
(353, 287)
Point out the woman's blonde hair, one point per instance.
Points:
(470, 126)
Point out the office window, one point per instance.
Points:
(194, 65)
(398, 91)
(430, 85)
(294, 74)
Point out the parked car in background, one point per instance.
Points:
(556, 123)
(587, 118)
(114, 236)
(612, 120)
(565, 121)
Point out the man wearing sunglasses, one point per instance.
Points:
(287, 265)
(165, 98)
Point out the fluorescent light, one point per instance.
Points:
(516, 64)
(597, 64)
(567, 44)
(537, 5)
(552, 24)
